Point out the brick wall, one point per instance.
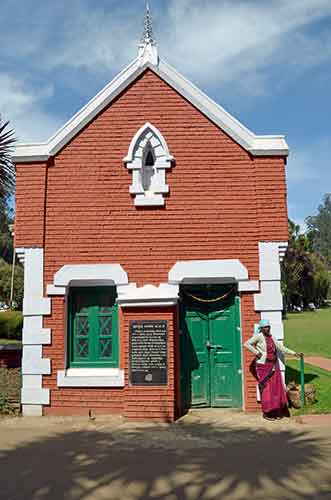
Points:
(222, 200)
(151, 402)
(30, 205)
(222, 203)
(158, 403)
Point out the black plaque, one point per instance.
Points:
(148, 352)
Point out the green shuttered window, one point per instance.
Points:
(93, 327)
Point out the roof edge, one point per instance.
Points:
(270, 145)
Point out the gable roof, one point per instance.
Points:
(257, 145)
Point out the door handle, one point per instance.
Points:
(212, 346)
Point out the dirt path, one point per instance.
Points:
(324, 363)
(207, 455)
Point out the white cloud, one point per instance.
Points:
(309, 178)
(98, 40)
(22, 106)
(310, 162)
(248, 46)
(237, 41)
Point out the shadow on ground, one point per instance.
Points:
(185, 461)
(293, 375)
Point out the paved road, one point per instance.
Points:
(207, 455)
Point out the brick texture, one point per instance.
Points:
(156, 403)
(222, 203)
(30, 205)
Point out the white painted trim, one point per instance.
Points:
(256, 145)
(91, 377)
(32, 361)
(113, 274)
(248, 286)
(155, 303)
(269, 261)
(270, 298)
(35, 306)
(32, 410)
(38, 337)
(55, 290)
(34, 333)
(20, 252)
(134, 160)
(35, 396)
(148, 126)
(282, 248)
(270, 301)
(149, 200)
(217, 271)
(32, 381)
(148, 295)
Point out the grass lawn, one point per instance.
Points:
(309, 332)
(321, 379)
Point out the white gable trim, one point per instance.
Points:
(256, 145)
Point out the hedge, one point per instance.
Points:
(11, 324)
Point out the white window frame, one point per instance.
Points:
(134, 161)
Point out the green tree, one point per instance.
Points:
(7, 170)
(6, 238)
(319, 229)
(305, 277)
(321, 279)
(5, 283)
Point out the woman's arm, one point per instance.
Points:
(250, 344)
(284, 349)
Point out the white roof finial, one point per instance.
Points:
(148, 26)
(148, 52)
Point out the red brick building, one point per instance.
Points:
(151, 227)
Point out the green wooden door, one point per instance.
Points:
(210, 347)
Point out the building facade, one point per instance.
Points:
(151, 227)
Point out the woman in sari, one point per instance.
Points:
(271, 385)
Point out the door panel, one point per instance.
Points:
(198, 359)
(221, 327)
(211, 351)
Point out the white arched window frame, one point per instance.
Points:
(148, 158)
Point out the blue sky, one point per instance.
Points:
(266, 62)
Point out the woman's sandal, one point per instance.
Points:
(269, 418)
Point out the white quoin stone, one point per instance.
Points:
(35, 306)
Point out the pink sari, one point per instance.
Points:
(273, 393)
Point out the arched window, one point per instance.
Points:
(148, 158)
(147, 169)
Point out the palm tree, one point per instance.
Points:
(7, 170)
